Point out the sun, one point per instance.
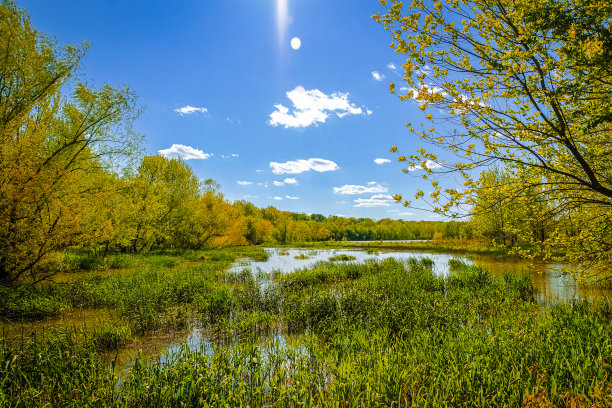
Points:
(296, 43)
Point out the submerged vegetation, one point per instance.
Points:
(381, 333)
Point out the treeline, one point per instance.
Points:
(164, 205)
(271, 225)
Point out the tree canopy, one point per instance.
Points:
(54, 149)
(521, 84)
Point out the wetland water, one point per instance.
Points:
(552, 285)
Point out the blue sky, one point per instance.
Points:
(299, 129)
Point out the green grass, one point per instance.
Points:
(342, 257)
(381, 333)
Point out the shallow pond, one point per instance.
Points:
(552, 284)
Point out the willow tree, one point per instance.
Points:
(55, 149)
(522, 84)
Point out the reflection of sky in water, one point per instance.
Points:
(553, 286)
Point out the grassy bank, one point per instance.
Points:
(382, 333)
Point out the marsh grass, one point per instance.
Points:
(381, 333)
(342, 257)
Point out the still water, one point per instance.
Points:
(553, 285)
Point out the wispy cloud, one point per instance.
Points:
(230, 120)
(311, 107)
(278, 198)
(357, 189)
(301, 166)
(288, 197)
(188, 110)
(244, 183)
(278, 183)
(183, 152)
(381, 161)
(378, 200)
(229, 156)
(392, 66)
(378, 76)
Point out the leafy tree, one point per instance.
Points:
(55, 150)
(164, 197)
(523, 84)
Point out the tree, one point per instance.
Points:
(54, 150)
(524, 84)
(164, 197)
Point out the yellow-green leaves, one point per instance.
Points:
(523, 84)
(56, 150)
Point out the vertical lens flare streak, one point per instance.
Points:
(282, 19)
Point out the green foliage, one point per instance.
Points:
(527, 95)
(342, 257)
(110, 337)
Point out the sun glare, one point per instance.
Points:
(296, 43)
(282, 18)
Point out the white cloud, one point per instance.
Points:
(300, 166)
(258, 171)
(371, 183)
(285, 181)
(244, 183)
(380, 161)
(369, 112)
(355, 189)
(183, 152)
(188, 110)
(278, 198)
(311, 107)
(429, 163)
(391, 66)
(263, 184)
(377, 76)
(288, 197)
(378, 200)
